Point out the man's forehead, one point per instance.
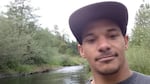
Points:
(106, 31)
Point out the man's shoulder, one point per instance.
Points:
(137, 78)
(144, 79)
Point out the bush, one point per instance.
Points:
(138, 58)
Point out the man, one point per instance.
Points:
(100, 30)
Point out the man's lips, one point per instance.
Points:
(106, 58)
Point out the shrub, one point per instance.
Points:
(138, 58)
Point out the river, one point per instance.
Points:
(65, 75)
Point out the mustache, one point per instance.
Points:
(106, 54)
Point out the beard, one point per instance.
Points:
(106, 72)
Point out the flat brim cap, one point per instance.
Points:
(114, 11)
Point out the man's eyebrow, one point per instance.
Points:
(88, 34)
(112, 29)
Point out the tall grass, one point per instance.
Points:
(64, 60)
(139, 59)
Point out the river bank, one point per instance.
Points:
(63, 75)
(25, 70)
(34, 70)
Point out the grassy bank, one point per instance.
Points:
(24, 70)
(69, 60)
(57, 62)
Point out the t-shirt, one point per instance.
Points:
(136, 78)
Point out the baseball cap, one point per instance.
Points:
(112, 10)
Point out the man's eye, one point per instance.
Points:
(113, 36)
(90, 40)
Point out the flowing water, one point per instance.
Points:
(65, 75)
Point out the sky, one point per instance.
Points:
(57, 12)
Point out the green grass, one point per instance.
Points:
(139, 59)
(66, 60)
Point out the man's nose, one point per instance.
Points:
(103, 45)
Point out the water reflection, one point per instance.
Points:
(66, 75)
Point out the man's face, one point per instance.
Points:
(103, 45)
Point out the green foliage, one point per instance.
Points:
(138, 53)
(138, 58)
(70, 61)
(142, 16)
(141, 32)
(24, 68)
(25, 44)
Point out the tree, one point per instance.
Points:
(18, 27)
(24, 42)
(138, 54)
(141, 32)
(21, 13)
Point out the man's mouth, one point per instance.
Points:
(106, 58)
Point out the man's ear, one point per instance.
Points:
(80, 50)
(126, 38)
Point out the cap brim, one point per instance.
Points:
(114, 11)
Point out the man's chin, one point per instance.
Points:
(108, 71)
